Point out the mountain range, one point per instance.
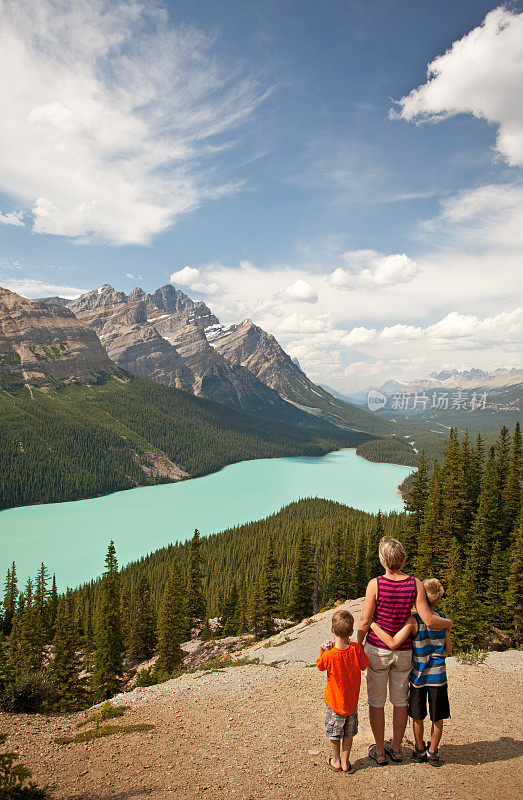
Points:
(167, 337)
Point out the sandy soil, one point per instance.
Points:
(256, 732)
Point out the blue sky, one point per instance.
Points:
(259, 154)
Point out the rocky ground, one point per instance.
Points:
(256, 731)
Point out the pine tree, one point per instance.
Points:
(469, 476)
(360, 563)
(195, 602)
(257, 611)
(374, 535)
(52, 606)
(431, 559)
(477, 467)
(336, 581)
(67, 687)
(462, 604)
(302, 581)
(511, 499)
(271, 582)
(514, 596)
(10, 598)
(487, 523)
(455, 501)
(141, 637)
(229, 616)
(27, 636)
(172, 624)
(502, 458)
(415, 505)
(41, 592)
(108, 665)
(496, 585)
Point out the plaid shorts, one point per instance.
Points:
(337, 726)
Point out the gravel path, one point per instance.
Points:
(255, 732)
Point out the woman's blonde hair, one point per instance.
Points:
(392, 553)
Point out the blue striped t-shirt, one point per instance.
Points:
(428, 656)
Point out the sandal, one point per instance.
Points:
(334, 769)
(350, 769)
(379, 758)
(394, 755)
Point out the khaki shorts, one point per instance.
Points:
(392, 667)
(339, 727)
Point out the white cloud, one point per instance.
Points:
(301, 291)
(359, 336)
(133, 277)
(12, 218)
(190, 278)
(380, 272)
(458, 330)
(400, 333)
(481, 74)
(490, 215)
(299, 323)
(108, 111)
(29, 287)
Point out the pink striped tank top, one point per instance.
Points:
(393, 608)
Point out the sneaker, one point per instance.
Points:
(419, 755)
(434, 759)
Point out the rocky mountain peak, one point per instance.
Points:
(42, 342)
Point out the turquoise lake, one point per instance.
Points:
(72, 538)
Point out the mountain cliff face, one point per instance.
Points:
(41, 343)
(163, 336)
(250, 346)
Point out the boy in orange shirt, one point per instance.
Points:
(344, 660)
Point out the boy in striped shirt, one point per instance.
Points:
(428, 679)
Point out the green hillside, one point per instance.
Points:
(75, 441)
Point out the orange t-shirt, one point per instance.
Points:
(343, 677)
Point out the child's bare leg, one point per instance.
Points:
(417, 728)
(346, 747)
(437, 732)
(336, 760)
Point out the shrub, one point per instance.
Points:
(26, 692)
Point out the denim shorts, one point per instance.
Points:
(337, 726)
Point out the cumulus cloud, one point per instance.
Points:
(380, 271)
(457, 330)
(30, 287)
(190, 277)
(108, 112)
(400, 333)
(481, 74)
(301, 291)
(358, 336)
(12, 218)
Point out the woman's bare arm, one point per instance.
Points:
(369, 607)
(448, 643)
(427, 615)
(393, 642)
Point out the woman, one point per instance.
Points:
(388, 601)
